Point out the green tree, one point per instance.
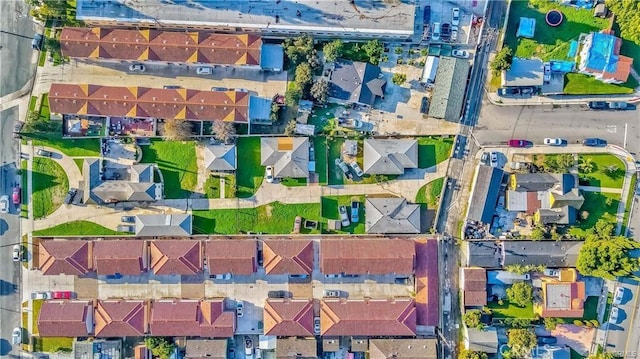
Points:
(373, 49)
(468, 354)
(520, 293)
(604, 356)
(472, 318)
(586, 165)
(333, 50)
(320, 90)
(160, 347)
(517, 323)
(275, 109)
(538, 233)
(522, 269)
(50, 9)
(607, 257)
(292, 96)
(303, 76)
(298, 49)
(551, 323)
(628, 18)
(502, 60)
(521, 341)
(399, 78)
(290, 130)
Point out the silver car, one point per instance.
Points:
(344, 216)
(4, 204)
(17, 336)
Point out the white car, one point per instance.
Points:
(41, 295)
(613, 316)
(269, 174)
(454, 33)
(17, 336)
(316, 325)
(494, 159)
(137, 68)
(240, 309)
(435, 35)
(463, 54)
(553, 141)
(344, 216)
(226, 276)
(4, 204)
(17, 253)
(455, 16)
(204, 70)
(248, 348)
(547, 72)
(356, 169)
(619, 294)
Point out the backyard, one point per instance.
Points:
(250, 173)
(320, 146)
(50, 185)
(508, 310)
(177, 162)
(580, 84)
(77, 228)
(601, 170)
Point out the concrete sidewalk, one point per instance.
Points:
(559, 99)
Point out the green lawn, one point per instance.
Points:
(80, 147)
(549, 42)
(177, 161)
(77, 228)
(53, 344)
(274, 218)
(36, 306)
(320, 148)
(330, 206)
(212, 187)
(24, 206)
(599, 177)
(353, 51)
(294, 182)
(336, 177)
(433, 150)
(50, 185)
(429, 194)
(79, 162)
(591, 308)
(507, 310)
(250, 173)
(32, 103)
(595, 204)
(320, 119)
(580, 84)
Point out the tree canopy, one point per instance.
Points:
(320, 90)
(373, 49)
(298, 49)
(521, 341)
(472, 318)
(160, 347)
(520, 293)
(502, 60)
(628, 17)
(468, 354)
(332, 50)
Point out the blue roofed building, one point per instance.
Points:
(260, 110)
(272, 57)
(600, 57)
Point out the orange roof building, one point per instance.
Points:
(368, 317)
(183, 257)
(64, 257)
(562, 300)
(288, 317)
(283, 256)
(120, 318)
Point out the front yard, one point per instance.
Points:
(250, 173)
(77, 228)
(596, 206)
(429, 194)
(580, 84)
(177, 162)
(433, 150)
(330, 206)
(601, 170)
(50, 185)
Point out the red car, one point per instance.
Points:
(15, 197)
(518, 143)
(61, 295)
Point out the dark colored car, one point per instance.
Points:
(128, 219)
(70, 195)
(17, 128)
(445, 31)
(171, 87)
(427, 15)
(36, 43)
(598, 105)
(508, 91)
(43, 153)
(547, 340)
(518, 143)
(278, 294)
(61, 294)
(594, 142)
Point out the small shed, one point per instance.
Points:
(600, 10)
(351, 147)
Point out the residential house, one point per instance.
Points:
(98, 348)
(368, 317)
(392, 215)
(65, 318)
(483, 253)
(298, 348)
(238, 257)
(163, 225)
(356, 82)
(367, 256)
(288, 256)
(207, 318)
(481, 340)
(550, 351)
(149, 103)
(600, 57)
(126, 257)
(484, 194)
(492, 254)
(524, 73)
(176, 257)
(474, 286)
(138, 187)
(120, 318)
(206, 349)
(552, 198)
(403, 348)
(64, 257)
(562, 298)
(272, 57)
(340, 20)
(330, 345)
(289, 156)
(389, 157)
(288, 317)
(448, 95)
(220, 158)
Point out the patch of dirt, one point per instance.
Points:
(268, 210)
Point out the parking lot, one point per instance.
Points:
(441, 13)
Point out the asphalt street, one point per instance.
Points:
(16, 32)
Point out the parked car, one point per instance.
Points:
(204, 70)
(128, 219)
(613, 316)
(358, 171)
(171, 87)
(463, 54)
(225, 276)
(454, 33)
(445, 31)
(594, 142)
(37, 41)
(427, 15)
(4, 204)
(508, 91)
(355, 208)
(62, 294)
(248, 348)
(343, 166)
(344, 216)
(239, 308)
(16, 336)
(547, 339)
(17, 253)
(455, 16)
(553, 141)
(15, 195)
(232, 353)
(137, 68)
(528, 90)
(278, 294)
(435, 35)
(547, 72)
(618, 295)
(43, 153)
(269, 174)
(126, 228)
(330, 293)
(70, 195)
(316, 325)
(332, 276)
(41, 295)
(597, 105)
(621, 106)
(297, 224)
(518, 143)
(401, 280)
(551, 272)
(494, 159)
(17, 128)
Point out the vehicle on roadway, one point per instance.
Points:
(16, 336)
(344, 216)
(553, 141)
(15, 195)
(620, 106)
(613, 316)
(137, 68)
(594, 142)
(17, 253)
(463, 54)
(37, 41)
(269, 174)
(597, 105)
(618, 295)
(518, 143)
(4, 204)
(239, 308)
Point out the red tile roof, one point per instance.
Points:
(143, 102)
(362, 256)
(231, 256)
(427, 282)
(563, 299)
(118, 256)
(64, 318)
(288, 317)
(176, 257)
(155, 45)
(64, 257)
(294, 256)
(368, 317)
(191, 318)
(120, 318)
(475, 298)
(474, 279)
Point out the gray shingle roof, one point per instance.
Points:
(448, 95)
(484, 254)
(169, 225)
(220, 157)
(357, 82)
(389, 156)
(485, 194)
(391, 215)
(524, 72)
(485, 340)
(553, 254)
(289, 156)
(140, 186)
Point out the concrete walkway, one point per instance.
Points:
(601, 189)
(559, 99)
